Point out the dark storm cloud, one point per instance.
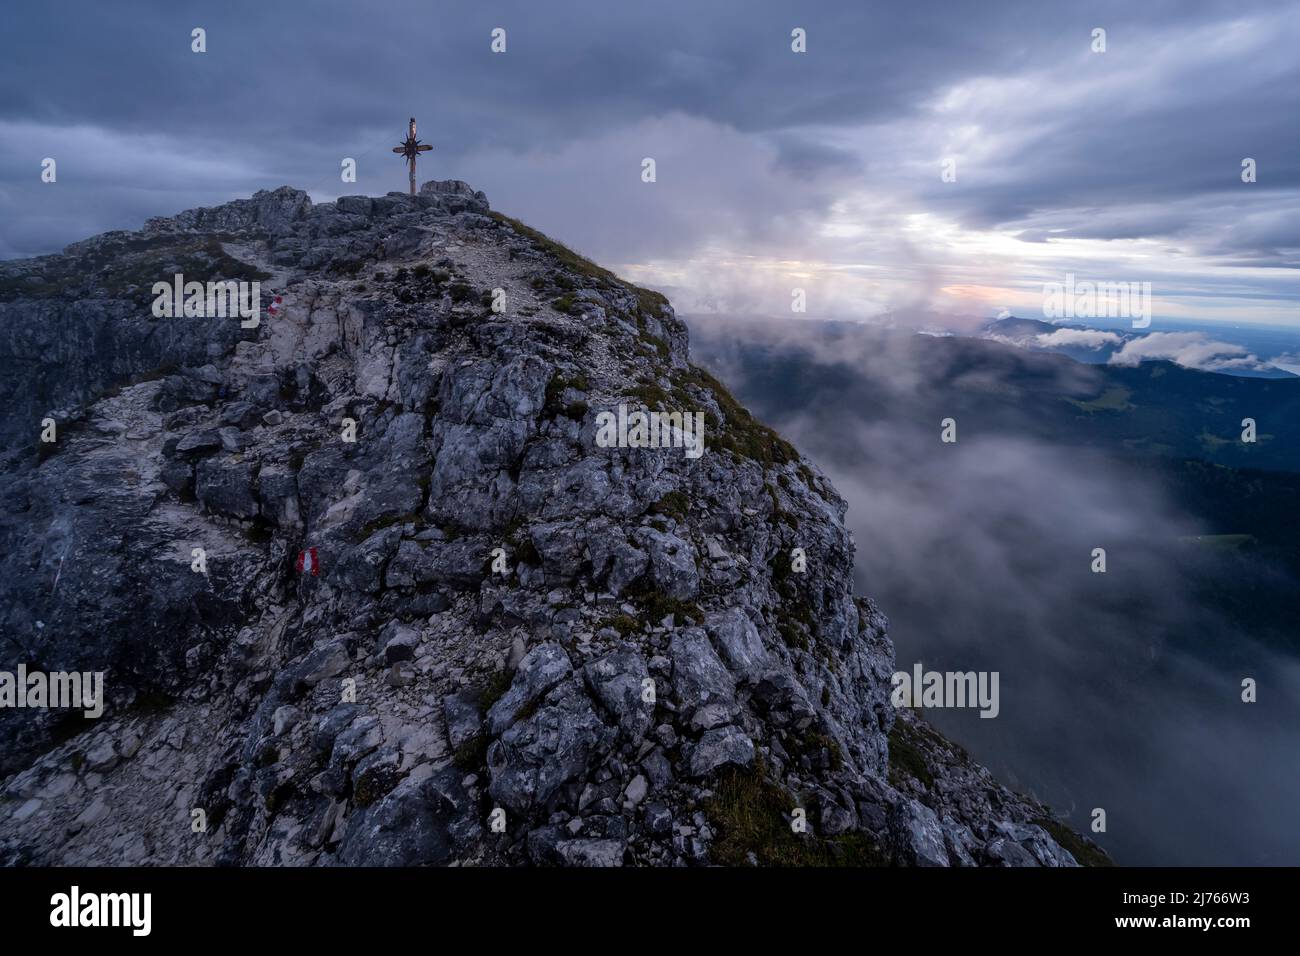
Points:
(1148, 139)
(307, 69)
(806, 159)
(1052, 140)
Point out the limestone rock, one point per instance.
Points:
(515, 646)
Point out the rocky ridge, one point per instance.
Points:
(520, 647)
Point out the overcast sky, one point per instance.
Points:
(775, 170)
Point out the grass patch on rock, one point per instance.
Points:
(752, 816)
(905, 759)
(648, 300)
(675, 504)
(494, 689)
(658, 605)
(553, 404)
(472, 754)
(651, 396)
(739, 432)
(1085, 853)
(625, 624)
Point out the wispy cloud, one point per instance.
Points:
(1079, 338)
(1189, 349)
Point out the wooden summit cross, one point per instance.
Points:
(410, 149)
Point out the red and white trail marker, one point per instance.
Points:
(308, 562)
(274, 306)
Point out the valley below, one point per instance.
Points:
(1121, 691)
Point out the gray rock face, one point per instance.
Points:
(590, 852)
(198, 443)
(398, 642)
(618, 682)
(922, 835)
(739, 643)
(699, 676)
(463, 717)
(540, 670)
(451, 193)
(720, 747)
(513, 645)
(534, 757)
(226, 488)
(672, 562)
(626, 566)
(409, 827)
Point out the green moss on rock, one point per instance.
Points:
(752, 816)
(905, 759)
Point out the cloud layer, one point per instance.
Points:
(1118, 690)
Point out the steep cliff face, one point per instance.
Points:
(518, 645)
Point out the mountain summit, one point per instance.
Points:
(371, 579)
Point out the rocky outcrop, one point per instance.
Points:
(512, 645)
